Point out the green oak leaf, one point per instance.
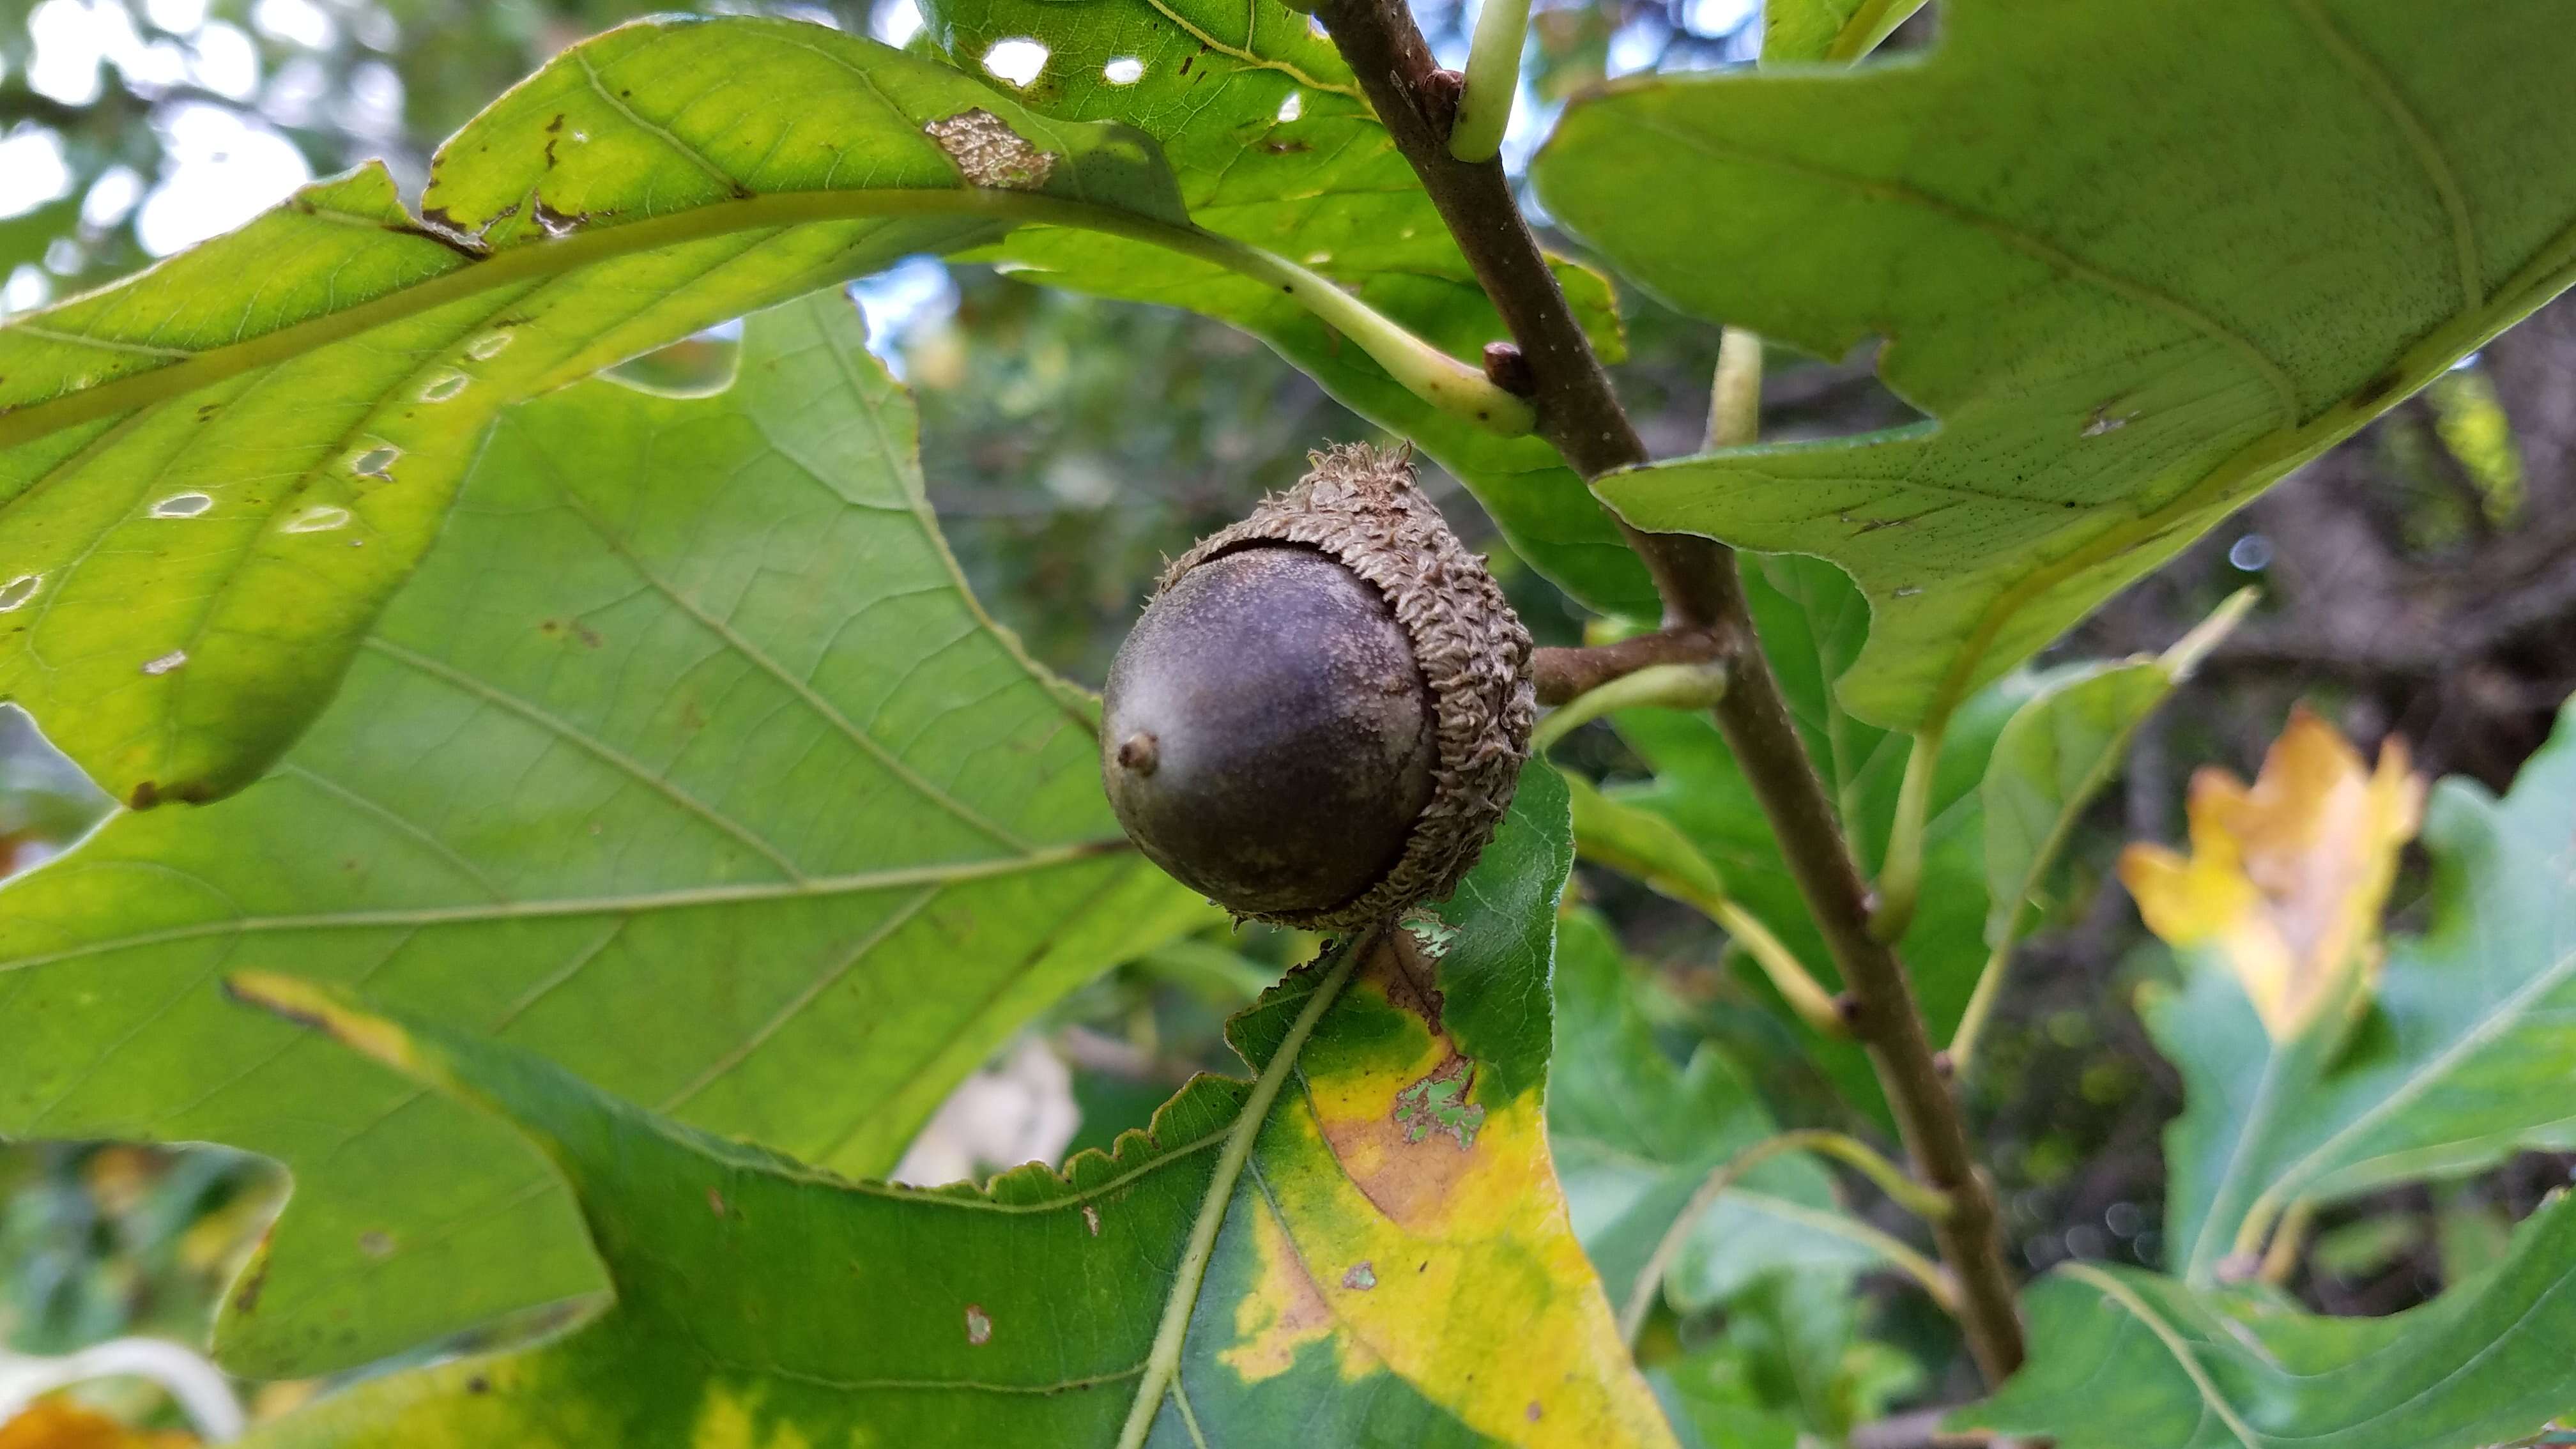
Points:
(2122, 1358)
(187, 456)
(2136, 262)
(2461, 1062)
(686, 760)
(1812, 622)
(1272, 143)
(1358, 1286)
(1635, 1135)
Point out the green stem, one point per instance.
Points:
(1493, 81)
(1428, 373)
(1913, 1196)
(1900, 875)
(1657, 686)
(1813, 1004)
(1163, 1361)
(1448, 384)
(1981, 1004)
(1735, 391)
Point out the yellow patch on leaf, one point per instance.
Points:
(1284, 1314)
(729, 1420)
(1425, 1217)
(2287, 877)
(56, 1424)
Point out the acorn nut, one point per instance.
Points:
(1323, 712)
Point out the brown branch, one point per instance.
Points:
(1562, 674)
(1581, 415)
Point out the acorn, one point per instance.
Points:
(1323, 712)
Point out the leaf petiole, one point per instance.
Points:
(1493, 80)
(1900, 876)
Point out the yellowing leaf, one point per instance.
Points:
(2287, 877)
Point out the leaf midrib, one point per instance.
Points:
(541, 259)
(857, 883)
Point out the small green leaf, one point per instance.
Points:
(2058, 750)
(1359, 1287)
(1272, 143)
(1635, 1136)
(687, 760)
(1812, 621)
(2122, 1358)
(1638, 842)
(2088, 235)
(2461, 1063)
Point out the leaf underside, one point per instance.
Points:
(187, 456)
(2137, 262)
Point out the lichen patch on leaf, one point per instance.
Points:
(989, 152)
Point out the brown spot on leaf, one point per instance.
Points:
(979, 1325)
(989, 153)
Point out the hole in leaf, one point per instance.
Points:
(166, 662)
(488, 346)
(441, 388)
(1018, 60)
(182, 505)
(375, 462)
(15, 593)
(1126, 70)
(1293, 107)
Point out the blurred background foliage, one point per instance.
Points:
(2417, 581)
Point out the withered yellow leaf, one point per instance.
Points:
(2287, 877)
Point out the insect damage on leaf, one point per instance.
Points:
(2286, 878)
(1432, 1106)
(1430, 933)
(989, 152)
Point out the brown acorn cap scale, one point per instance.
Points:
(1359, 506)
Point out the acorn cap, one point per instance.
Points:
(1359, 505)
